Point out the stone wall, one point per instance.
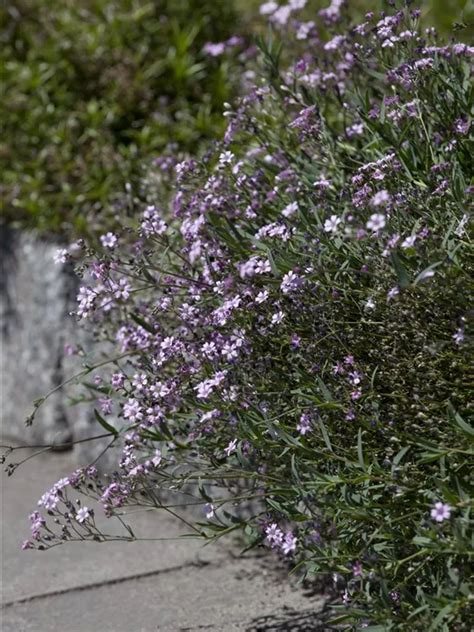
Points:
(36, 297)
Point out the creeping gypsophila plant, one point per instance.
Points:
(292, 334)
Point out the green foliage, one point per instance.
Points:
(91, 89)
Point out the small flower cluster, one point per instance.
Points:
(283, 541)
(72, 519)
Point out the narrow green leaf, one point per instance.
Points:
(324, 390)
(399, 456)
(142, 323)
(402, 274)
(442, 614)
(325, 434)
(459, 421)
(105, 424)
(360, 452)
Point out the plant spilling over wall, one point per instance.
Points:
(294, 329)
(91, 89)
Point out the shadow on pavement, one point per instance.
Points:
(292, 620)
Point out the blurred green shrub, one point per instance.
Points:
(91, 88)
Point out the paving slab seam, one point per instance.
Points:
(105, 582)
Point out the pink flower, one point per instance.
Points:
(274, 535)
(49, 500)
(297, 4)
(381, 198)
(304, 424)
(132, 410)
(105, 404)
(214, 50)
(291, 282)
(441, 512)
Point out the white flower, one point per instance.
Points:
(304, 30)
(290, 282)
(393, 293)
(61, 484)
(268, 7)
(261, 297)
(297, 4)
(461, 226)
(231, 447)
(426, 274)
(331, 224)
(382, 198)
(277, 318)
(274, 534)
(376, 222)
(156, 460)
(281, 15)
(290, 210)
(109, 240)
(83, 514)
(210, 510)
(409, 242)
(226, 158)
(458, 336)
(289, 543)
(60, 256)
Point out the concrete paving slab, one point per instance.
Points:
(27, 573)
(238, 595)
(173, 585)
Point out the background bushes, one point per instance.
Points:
(90, 89)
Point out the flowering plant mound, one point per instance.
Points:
(294, 329)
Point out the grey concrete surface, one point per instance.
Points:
(141, 586)
(35, 299)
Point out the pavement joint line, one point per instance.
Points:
(105, 582)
